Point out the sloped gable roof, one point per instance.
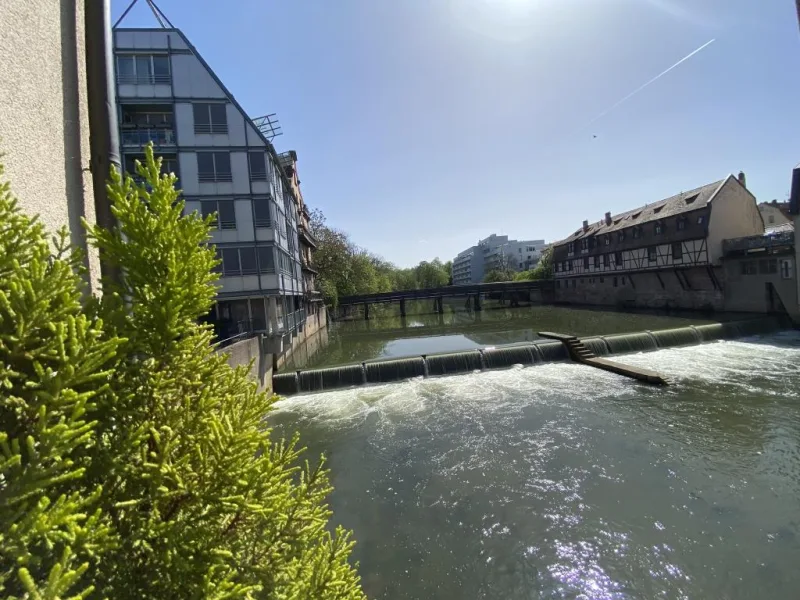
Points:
(669, 207)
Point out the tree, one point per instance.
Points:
(543, 270)
(497, 275)
(135, 462)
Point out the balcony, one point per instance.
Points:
(306, 236)
(772, 244)
(138, 138)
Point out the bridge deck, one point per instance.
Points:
(447, 291)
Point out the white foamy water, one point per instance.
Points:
(564, 481)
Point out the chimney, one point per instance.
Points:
(794, 195)
(586, 225)
(742, 179)
(608, 218)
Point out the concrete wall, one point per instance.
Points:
(749, 292)
(241, 353)
(656, 289)
(734, 214)
(44, 120)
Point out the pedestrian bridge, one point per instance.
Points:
(513, 291)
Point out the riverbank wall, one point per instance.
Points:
(528, 354)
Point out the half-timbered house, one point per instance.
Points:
(664, 254)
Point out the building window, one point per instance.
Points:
(701, 219)
(681, 224)
(596, 262)
(652, 254)
(214, 167)
(284, 263)
(266, 259)
(168, 165)
(571, 248)
(621, 235)
(569, 265)
(771, 219)
(623, 280)
(768, 266)
(263, 218)
(637, 233)
(786, 269)
(238, 261)
(143, 69)
(618, 260)
(585, 245)
(615, 282)
(606, 261)
(677, 251)
(258, 166)
(210, 118)
(749, 267)
(574, 283)
(586, 262)
(659, 228)
(223, 211)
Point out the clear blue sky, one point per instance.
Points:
(424, 125)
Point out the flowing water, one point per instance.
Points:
(563, 481)
(386, 336)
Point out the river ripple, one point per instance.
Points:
(562, 481)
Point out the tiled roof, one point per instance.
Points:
(669, 207)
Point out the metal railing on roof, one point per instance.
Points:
(758, 242)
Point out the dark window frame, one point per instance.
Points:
(215, 124)
(257, 174)
(154, 72)
(223, 220)
(677, 251)
(217, 176)
(652, 254)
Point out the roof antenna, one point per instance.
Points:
(157, 13)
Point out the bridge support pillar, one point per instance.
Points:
(366, 311)
(402, 307)
(440, 305)
(476, 302)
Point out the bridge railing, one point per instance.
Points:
(450, 290)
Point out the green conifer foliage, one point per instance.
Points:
(54, 368)
(191, 496)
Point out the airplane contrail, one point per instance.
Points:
(653, 80)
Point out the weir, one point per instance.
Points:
(528, 354)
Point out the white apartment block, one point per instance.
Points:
(495, 252)
(167, 94)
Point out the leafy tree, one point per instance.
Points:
(135, 462)
(543, 270)
(498, 275)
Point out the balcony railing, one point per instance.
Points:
(144, 78)
(757, 242)
(141, 137)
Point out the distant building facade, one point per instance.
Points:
(776, 215)
(167, 94)
(495, 252)
(665, 254)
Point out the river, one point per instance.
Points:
(562, 481)
(390, 336)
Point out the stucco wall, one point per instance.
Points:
(734, 214)
(749, 292)
(242, 353)
(44, 126)
(645, 290)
